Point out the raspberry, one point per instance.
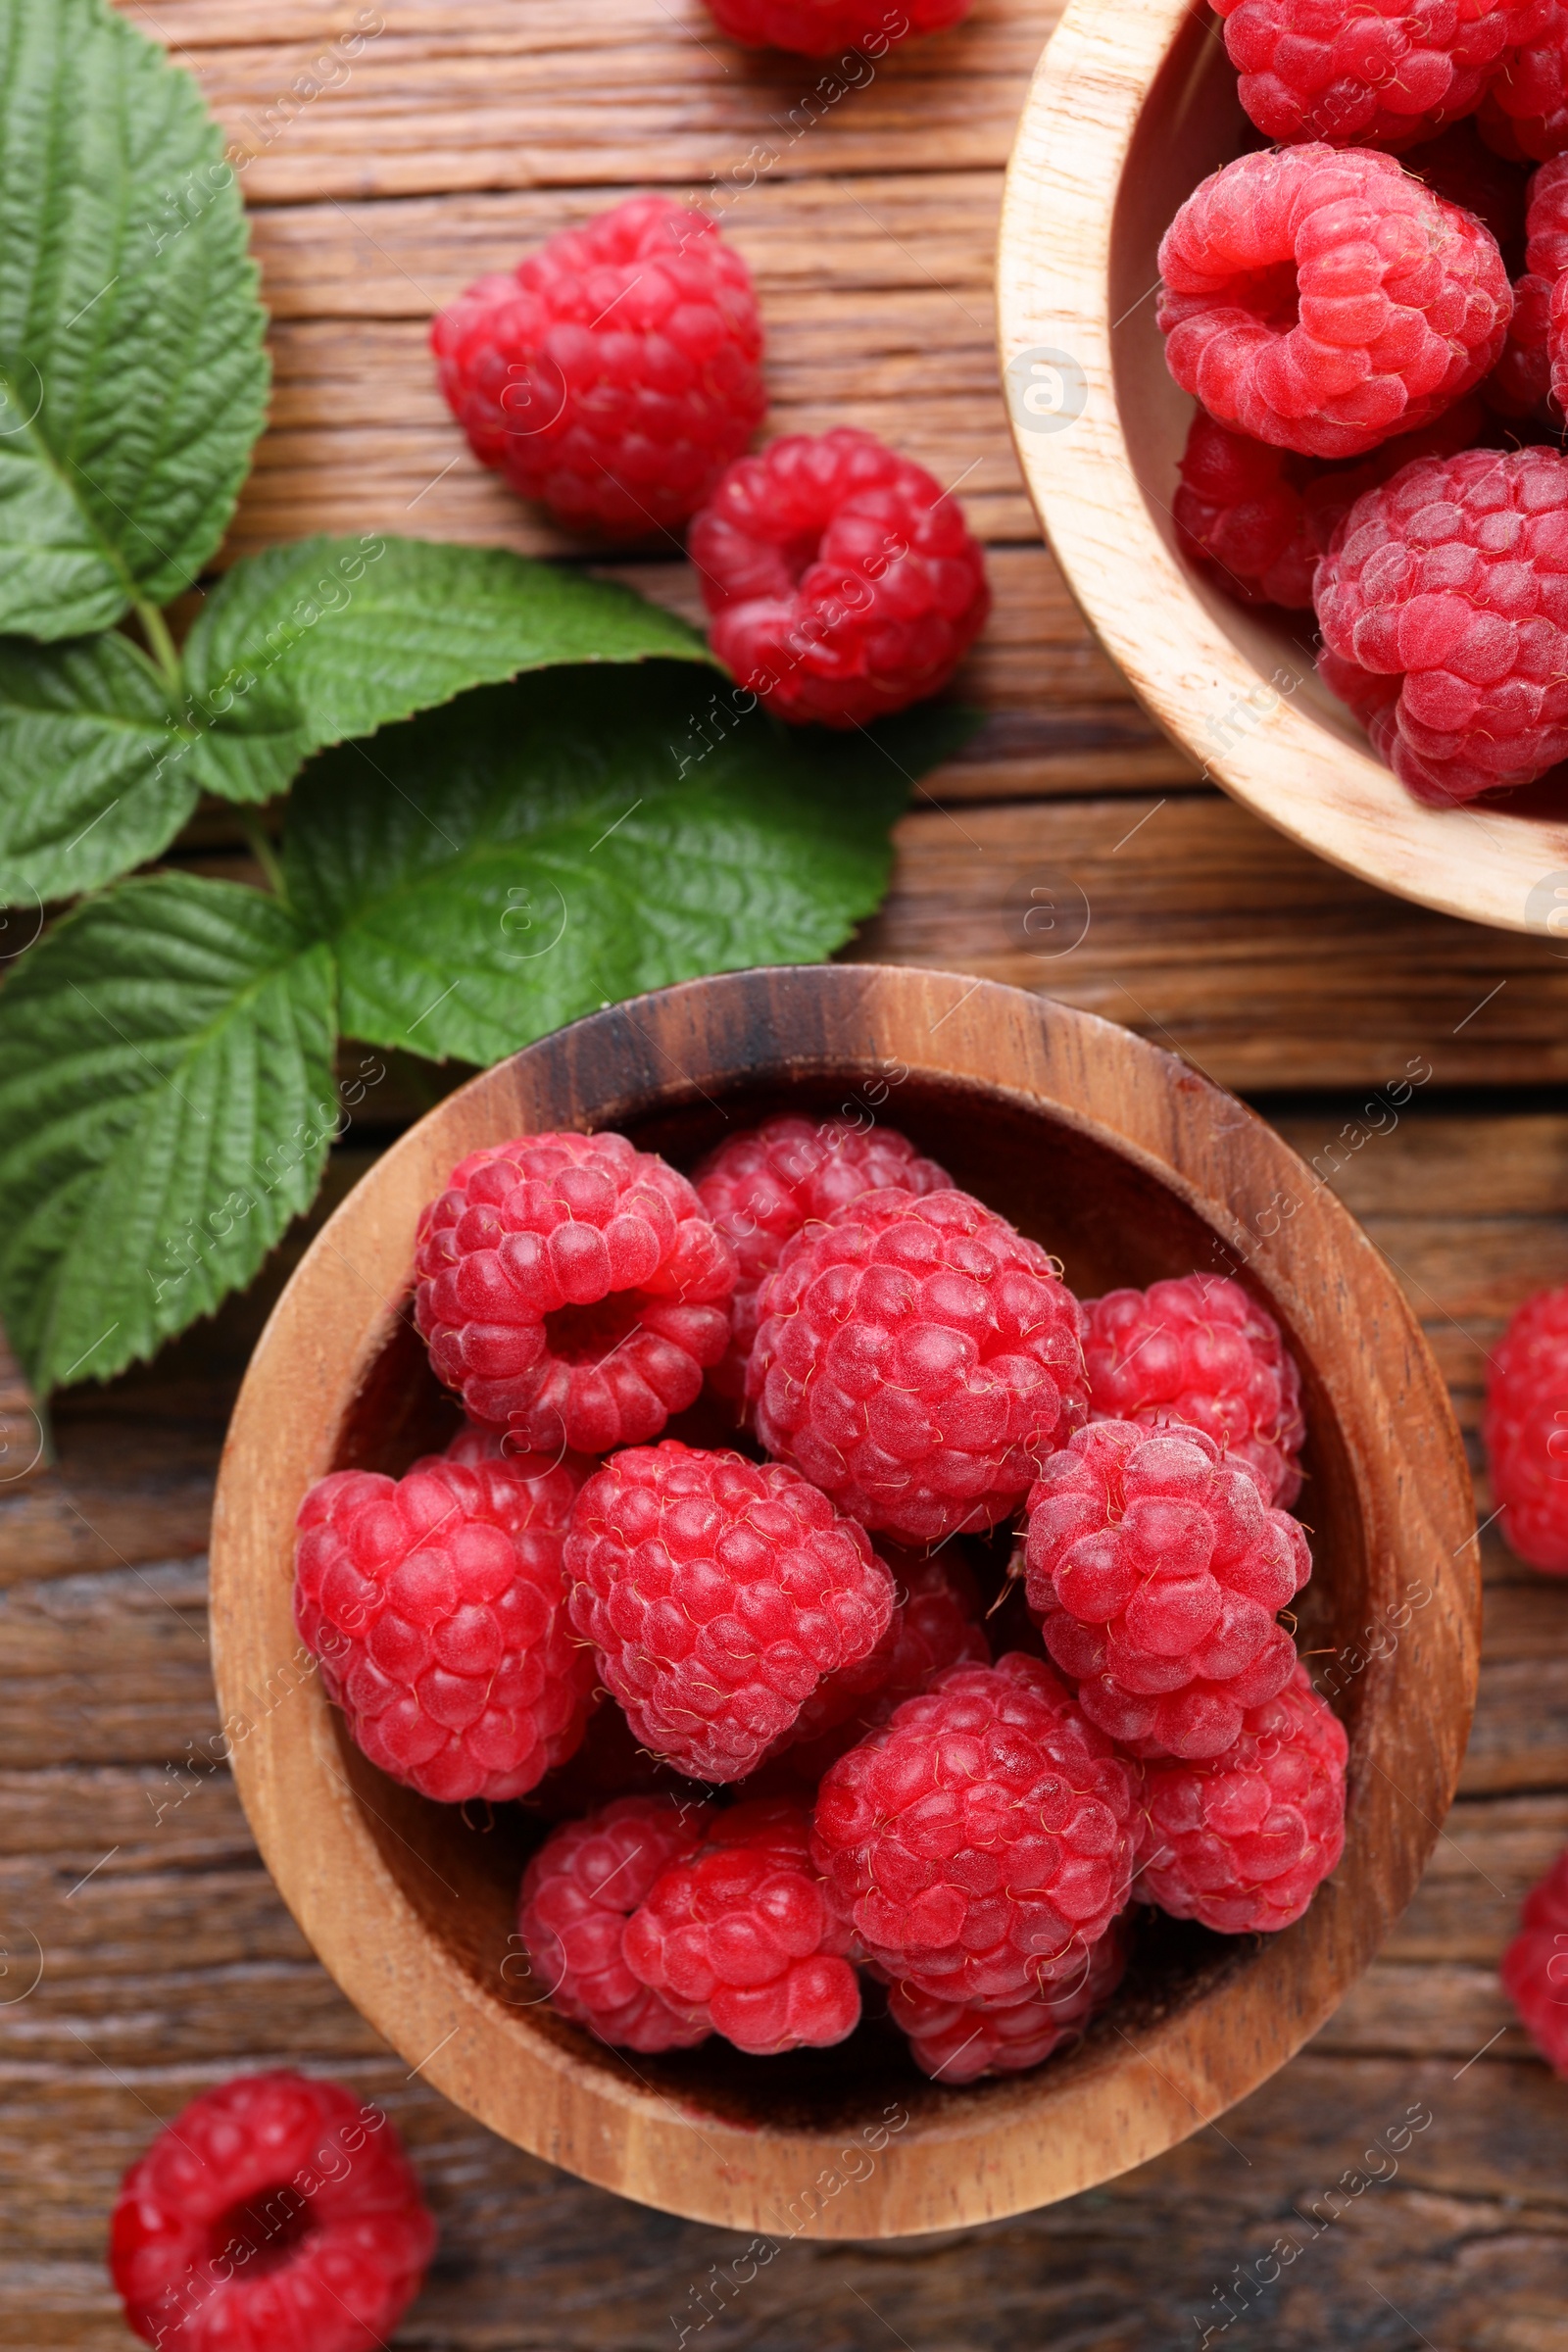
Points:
(1200, 1350)
(1525, 1431)
(740, 1935)
(1366, 73)
(274, 2214)
(1155, 1568)
(953, 2042)
(980, 1842)
(1461, 166)
(717, 1594)
(1321, 300)
(1520, 384)
(761, 1187)
(1239, 512)
(817, 27)
(1243, 1840)
(1535, 1966)
(574, 1288)
(918, 1359)
(437, 1607)
(615, 373)
(1451, 581)
(1525, 111)
(843, 580)
(578, 1893)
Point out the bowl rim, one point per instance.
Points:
(965, 2156)
(1325, 791)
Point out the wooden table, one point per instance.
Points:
(455, 132)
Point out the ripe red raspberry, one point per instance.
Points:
(574, 1288)
(1200, 1350)
(980, 1842)
(1322, 300)
(577, 1895)
(437, 1606)
(843, 580)
(761, 1187)
(740, 1937)
(1155, 1568)
(953, 2042)
(1239, 512)
(1358, 74)
(818, 27)
(918, 1359)
(1535, 1966)
(1520, 384)
(1452, 582)
(1525, 1431)
(717, 1592)
(615, 373)
(1243, 1840)
(1525, 111)
(274, 2214)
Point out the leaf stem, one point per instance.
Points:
(161, 645)
(261, 850)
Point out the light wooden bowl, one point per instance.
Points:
(1130, 1165)
(1133, 103)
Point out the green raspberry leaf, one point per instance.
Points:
(167, 1100)
(308, 645)
(489, 871)
(133, 378)
(95, 770)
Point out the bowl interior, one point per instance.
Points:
(1111, 1221)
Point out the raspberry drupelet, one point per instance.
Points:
(275, 2209)
(436, 1603)
(578, 1893)
(572, 1288)
(979, 1843)
(1448, 591)
(739, 1935)
(843, 581)
(761, 1188)
(1200, 1351)
(1155, 1567)
(1525, 111)
(615, 373)
(1525, 1431)
(1534, 1967)
(820, 27)
(717, 1594)
(1360, 75)
(955, 2044)
(918, 1359)
(1243, 1840)
(1323, 300)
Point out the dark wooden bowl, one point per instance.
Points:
(1128, 1164)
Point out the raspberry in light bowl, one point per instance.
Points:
(813, 1786)
(1307, 250)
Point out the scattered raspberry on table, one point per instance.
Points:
(717, 1594)
(436, 1604)
(1535, 1966)
(843, 581)
(1525, 1431)
(1155, 1569)
(740, 1935)
(1243, 1840)
(578, 1893)
(918, 1359)
(819, 27)
(1200, 1350)
(1366, 75)
(1324, 300)
(955, 2044)
(274, 2214)
(615, 373)
(980, 1842)
(1451, 584)
(572, 1288)
(761, 1188)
